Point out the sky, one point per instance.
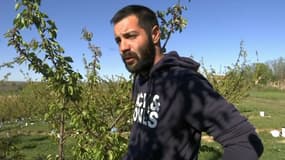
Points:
(213, 34)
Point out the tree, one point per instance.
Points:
(171, 21)
(53, 65)
(262, 73)
(234, 84)
(278, 68)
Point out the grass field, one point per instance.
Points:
(34, 143)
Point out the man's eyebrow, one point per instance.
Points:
(130, 32)
(127, 34)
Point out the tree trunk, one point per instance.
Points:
(61, 137)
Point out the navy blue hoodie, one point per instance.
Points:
(174, 104)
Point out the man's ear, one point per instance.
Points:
(155, 34)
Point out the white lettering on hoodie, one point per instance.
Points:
(146, 113)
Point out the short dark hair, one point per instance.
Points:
(147, 18)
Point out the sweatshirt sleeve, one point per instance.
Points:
(208, 111)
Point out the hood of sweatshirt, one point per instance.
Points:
(173, 59)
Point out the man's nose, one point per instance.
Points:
(124, 46)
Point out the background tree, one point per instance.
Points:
(278, 68)
(234, 84)
(171, 21)
(262, 73)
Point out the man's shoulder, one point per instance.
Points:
(186, 74)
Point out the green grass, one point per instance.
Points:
(210, 151)
(271, 102)
(36, 146)
(33, 142)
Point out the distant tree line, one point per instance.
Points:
(278, 68)
(269, 72)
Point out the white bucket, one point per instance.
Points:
(275, 133)
(261, 113)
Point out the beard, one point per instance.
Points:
(143, 59)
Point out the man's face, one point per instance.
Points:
(135, 45)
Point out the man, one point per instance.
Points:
(174, 104)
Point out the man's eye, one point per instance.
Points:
(118, 41)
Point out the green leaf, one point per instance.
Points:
(63, 88)
(68, 59)
(70, 90)
(17, 6)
